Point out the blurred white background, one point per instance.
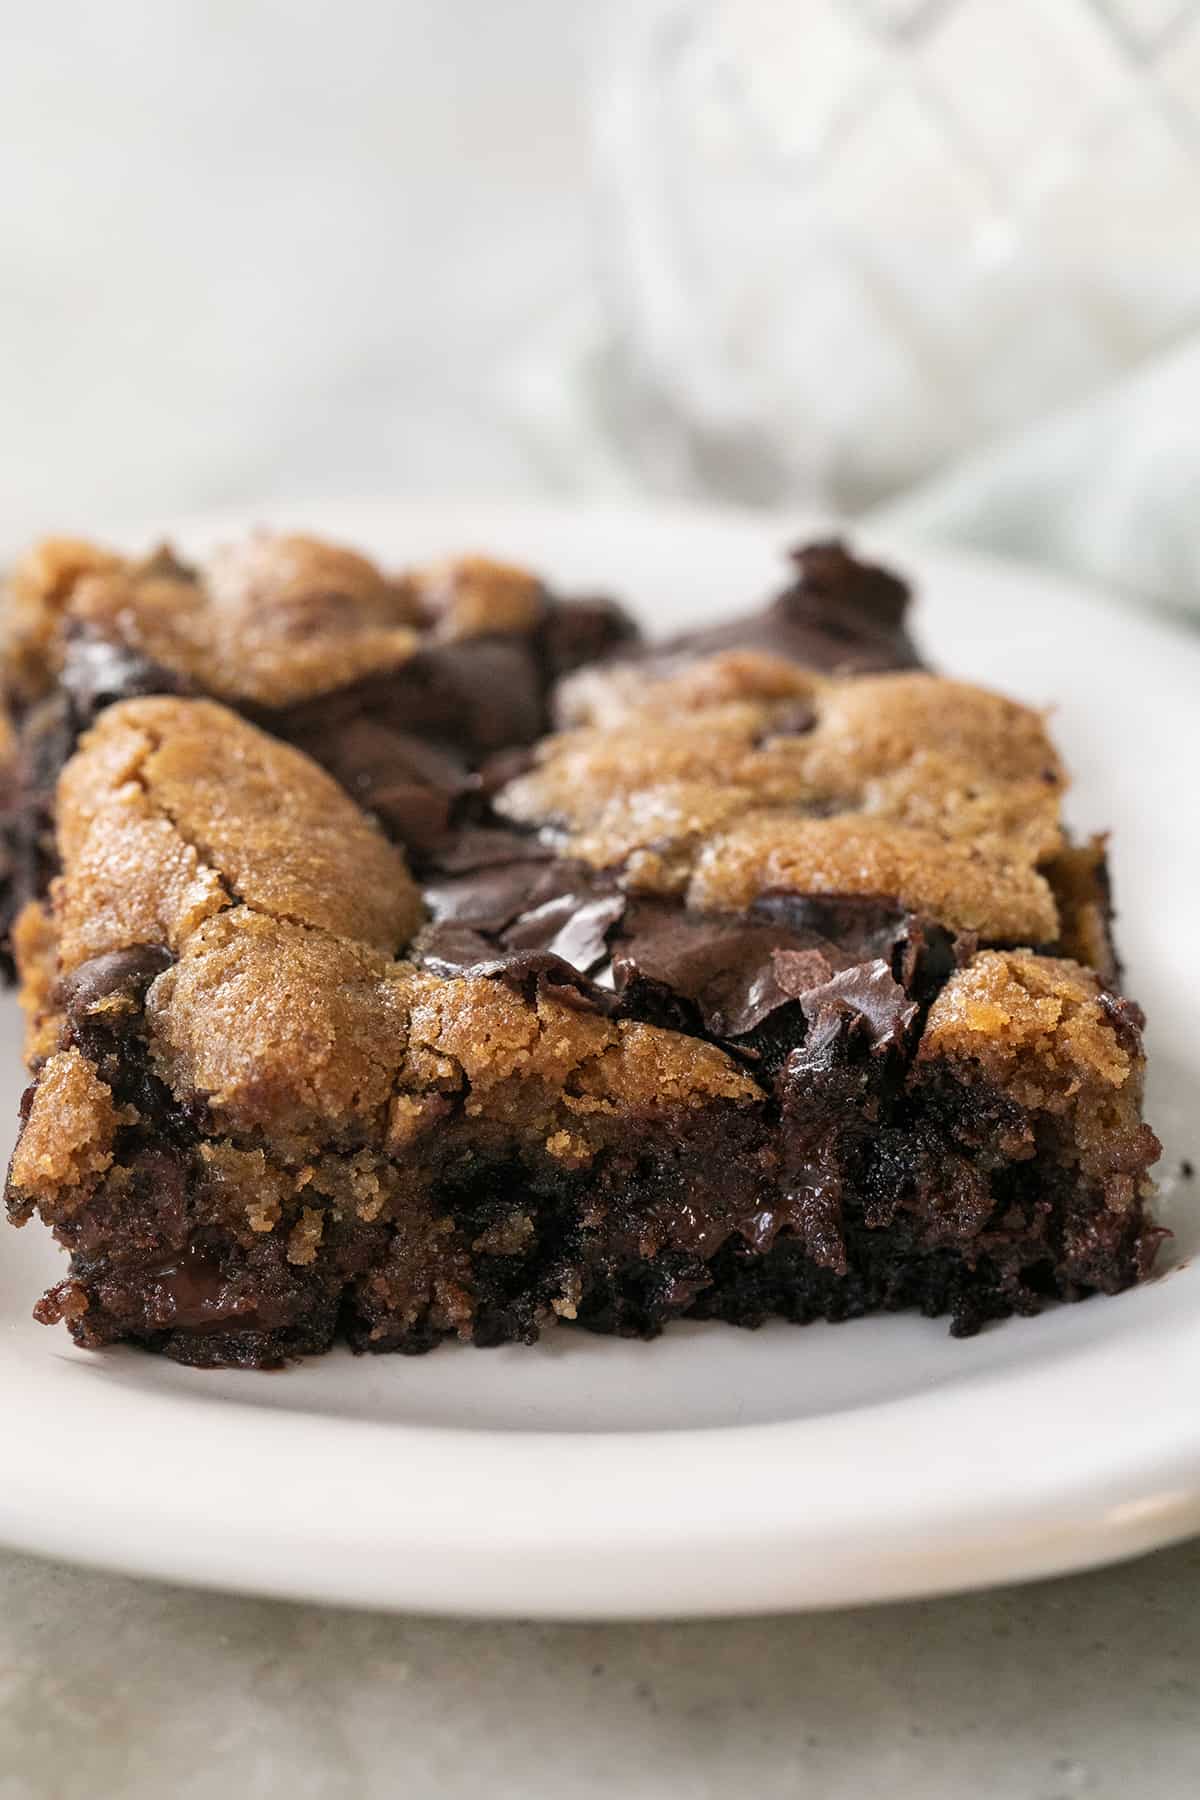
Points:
(255, 247)
(940, 257)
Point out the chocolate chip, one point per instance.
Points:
(98, 671)
(575, 632)
(795, 720)
(831, 581)
(724, 965)
(1127, 1020)
(117, 973)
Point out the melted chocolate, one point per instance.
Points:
(866, 963)
(98, 671)
(838, 614)
(868, 998)
(575, 632)
(192, 1290)
(1127, 1020)
(124, 974)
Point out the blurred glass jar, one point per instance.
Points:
(846, 240)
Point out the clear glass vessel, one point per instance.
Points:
(846, 241)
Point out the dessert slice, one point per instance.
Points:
(753, 991)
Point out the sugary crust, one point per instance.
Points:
(626, 692)
(1044, 1032)
(173, 809)
(68, 1138)
(1035, 1024)
(966, 885)
(285, 1031)
(35, 952)
(939, 793)
(269, 621)
(469, 596)
(38, 593)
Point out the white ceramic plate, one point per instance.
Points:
(715, 1470)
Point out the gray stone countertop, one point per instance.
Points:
(1088, 1686)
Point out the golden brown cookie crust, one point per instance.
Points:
(173, 809)
(1044, 1031)
(939, 793)
(67, 1141)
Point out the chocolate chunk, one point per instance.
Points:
(487, 899)
(117, 975)
(722, 965)
(483, 847)
(838, 614)
(866, 996)
(476, 696)
(190, 1291)
(1127, 1020)
(564, 907)
(575, 632)
(864, 925)
(569, 926)
(483, 694)
(97, 671)
(834, 587)
(456, 950)
(739, 970)
(521, 919)
(411, 785)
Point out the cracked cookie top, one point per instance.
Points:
(174, 810)
(743, 774)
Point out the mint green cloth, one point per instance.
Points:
(1109, 490)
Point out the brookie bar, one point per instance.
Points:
(766, 984)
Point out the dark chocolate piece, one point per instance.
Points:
(98, 671)
(838, 615)
(118, 974)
